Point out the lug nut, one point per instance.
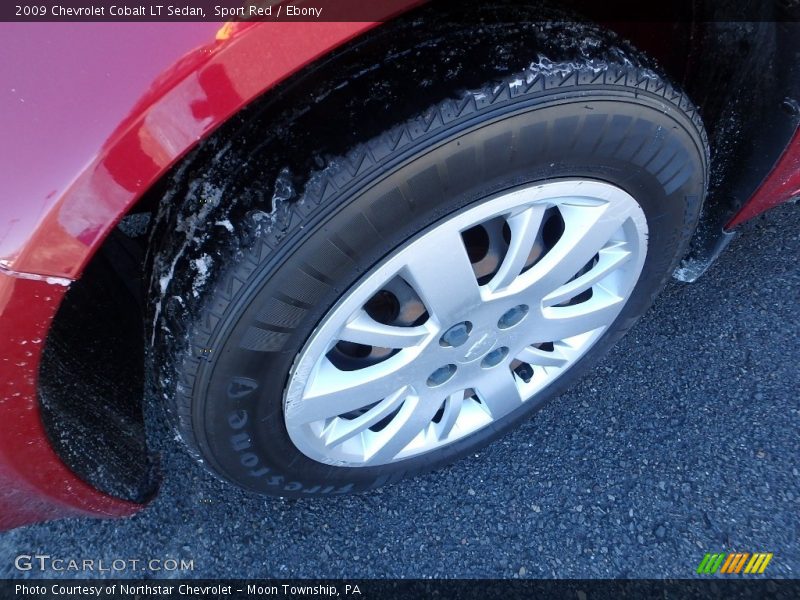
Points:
(441, 375)
(513, 316)
(494, 357)
(456, 335)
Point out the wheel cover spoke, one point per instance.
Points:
(450, 414)
(442, 275)
(341, 430)
(335, 392)
(363, 329)
(587, 231)
(498, 392)
(610, 258)
(372, 387)
(524, 228)
(537, 356)
(413, 418)
(558, 323)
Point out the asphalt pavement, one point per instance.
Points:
(684, 440)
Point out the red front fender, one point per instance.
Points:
(78, 152)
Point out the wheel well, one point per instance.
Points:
(90, 378)
(108, 307)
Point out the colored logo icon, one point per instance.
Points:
(734, 563)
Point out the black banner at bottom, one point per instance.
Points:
(373, 589)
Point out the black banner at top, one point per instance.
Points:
(381, 10)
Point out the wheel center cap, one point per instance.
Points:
(483, 343)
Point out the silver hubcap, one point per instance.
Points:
(465, 323)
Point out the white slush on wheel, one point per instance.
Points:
(493, 323)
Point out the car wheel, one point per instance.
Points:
(432, 287)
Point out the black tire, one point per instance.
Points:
(223, 363)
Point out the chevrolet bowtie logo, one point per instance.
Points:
(733, 563)
(485, 343)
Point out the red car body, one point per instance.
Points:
(78, 150)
